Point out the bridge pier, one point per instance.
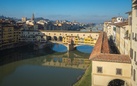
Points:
(70, 47)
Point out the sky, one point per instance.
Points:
(85, 11)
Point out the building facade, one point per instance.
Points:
(31, 36)
(109, 72)
(9, 37)
(133, 49)
(109, 69)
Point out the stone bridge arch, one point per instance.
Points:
(49, 38)
(60, 38)
(55, 38)
(118, 82)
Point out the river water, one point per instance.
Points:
(46, 67)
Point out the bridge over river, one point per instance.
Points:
(70, 39)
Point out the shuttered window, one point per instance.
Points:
(133, 36)
(135, 56)
(131, 53)
(134, 76)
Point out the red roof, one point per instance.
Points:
(101, 52)
(101, 45)
(121, 24)
(112, 58)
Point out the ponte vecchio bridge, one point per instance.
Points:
(70, 39)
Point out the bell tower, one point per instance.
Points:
(32, 17)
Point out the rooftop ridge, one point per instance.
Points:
(98, 46)
(105, 45)
(101, 52)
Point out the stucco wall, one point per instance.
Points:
(109, 73)
(134, 44)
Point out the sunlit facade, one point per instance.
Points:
(133, 48)
(77, 40)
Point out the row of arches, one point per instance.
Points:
(117, 82)
(55, 38)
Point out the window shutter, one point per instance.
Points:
(135, 56)
(136, 37)
(133, 36)
(131, 53)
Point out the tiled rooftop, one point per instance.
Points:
(101, 45)
(105, 45)
(101, 52)
(121, 24)
(112, 58)
(97, 48)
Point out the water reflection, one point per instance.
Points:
(76, 62)
(27, 67)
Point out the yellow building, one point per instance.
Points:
(109, 69)
(119, 40)
(133, 49)
(76, 40)
(70, 40)
(9, 36)
(89, 40)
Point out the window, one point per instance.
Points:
(99, 69)
(129, 36)
(134, 76)
(131, 70)
(114, 29)
(131, 53)
(133, 36)
(134, 55)
(118, 71)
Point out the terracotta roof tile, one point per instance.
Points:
(101, 52)
(112, 58)
(105, 45)
(101, 45)
(97, 48)
(121, 24)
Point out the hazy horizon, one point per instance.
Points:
(85, 11)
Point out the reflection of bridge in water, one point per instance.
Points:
(74, 59)
(67, 60)
(78, 63)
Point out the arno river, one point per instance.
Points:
(46, 67)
